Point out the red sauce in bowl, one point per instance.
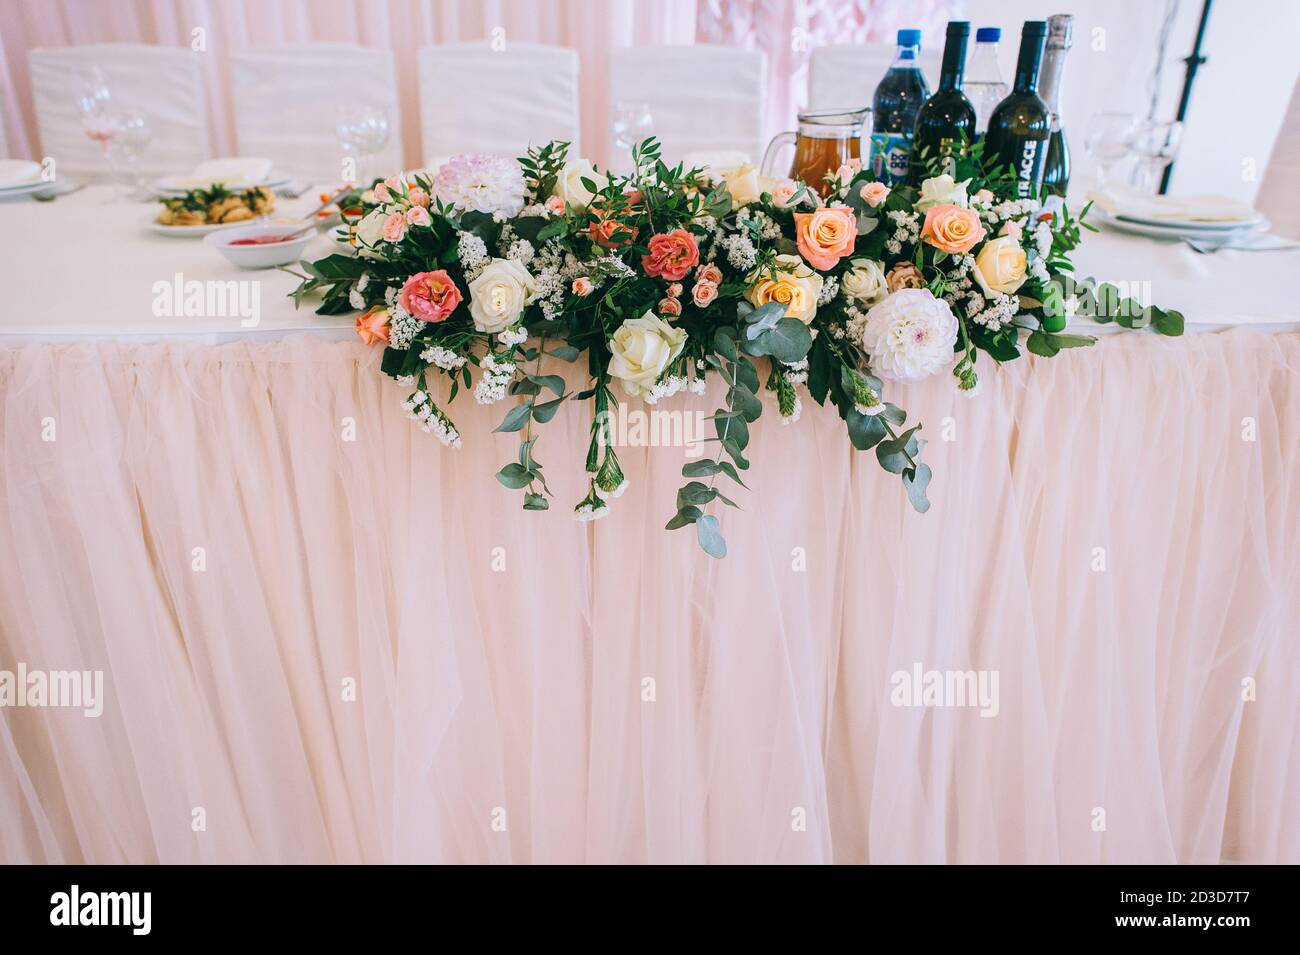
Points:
(265, 239)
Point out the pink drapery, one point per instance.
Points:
(783, 29)
(1148, 690)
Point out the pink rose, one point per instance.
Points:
(381, 192)
(395, 227)
(825, 236)
(430, 296)
(418, 197)
(844, 173)
(394, 182)
(1011, 228)
(372, 326)
(874, 193)
(783, 193)
(672, 255)
(984, 197)
(669, 307)
(704, 293)
(709, 273)
(418, 215)
(952, 229)
(555, 205)
(674, 290)
(582, 286)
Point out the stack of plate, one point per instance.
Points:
(236, 173)
(1212, 218)
(18, 177)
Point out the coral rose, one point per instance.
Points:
(669, 307)
(704, 293)
(395, 227)
(672, 255)
(825, 236)
(904, 275)
(372, 326)
(709, 273)
(952, 229)
(582, 286)
(430, 296)
(603, 232)
(874, 193)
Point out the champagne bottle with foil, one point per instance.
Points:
(945, 124)
(898, 98)
(1056, 167)
(1020, 126)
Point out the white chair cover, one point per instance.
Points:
(702, 98)
(1279, 193)
(847, 75)
(287, 102)
(164, 84)
(474, 99)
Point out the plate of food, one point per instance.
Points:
(200, 211)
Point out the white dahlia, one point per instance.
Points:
(909, 335)
(482, 183)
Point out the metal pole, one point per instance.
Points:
(1193, 64)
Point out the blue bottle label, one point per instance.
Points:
(890, 155)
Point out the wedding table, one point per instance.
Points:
(324, 637)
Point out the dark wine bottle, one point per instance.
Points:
(898, 97)
(1056, 167)
(1020, 126)
(945, 123)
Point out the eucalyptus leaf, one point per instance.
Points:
(517, 418)
(535, 502)
(686, 515)
(546, 410)
(514, 476)
(916, 481)
(710, 536)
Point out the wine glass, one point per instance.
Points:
(133, 137)
(632, 123)
(95, 105)
(1108, 140)
(1156, 145)
(363, 132)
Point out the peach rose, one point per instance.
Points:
(669, 307)
(418, 197)
(602, 232)
(709, 273)
(984, 197)
(582, 286)
(417, 215)
(874, 193)
(783, 192)
(952, 229)
(430, 296)
(554, 205)
(372, 326)
(672, 255)
(395, 227)
(904, 275)
(381, 192)
(825, 236)
(674, 290)
(704, 293)
(844, 173)
(1012, 229)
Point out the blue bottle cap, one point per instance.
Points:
(909, 37)
(988, 35)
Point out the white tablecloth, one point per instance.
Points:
(84, 266)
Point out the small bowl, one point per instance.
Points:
(263, 256)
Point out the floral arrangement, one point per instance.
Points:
(664, 277)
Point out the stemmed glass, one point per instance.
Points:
(94, 103)
(1156, 145)
(1108, 140)
(363, 132)
(133, 137)
(632, 123)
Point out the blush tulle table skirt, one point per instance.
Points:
(318, 649)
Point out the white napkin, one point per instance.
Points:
(1128, 202)
(230, 169)
(717, 164)
(18, 172)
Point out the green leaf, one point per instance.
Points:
(1168, 323)
(732, 431)
(745, 402)
(517, 418)
(819, 372)
(684, 516)
(565, 353)
(703, 468)
(916, 481)
(893, 454)
(726, 468)
(514, 476)
(546, 410)
(695, 492)
(1040, 343)
(746, 374)
(788, 341)
(554, 382)
(710, 536)
(865, 431)
(535, 502)
(724, 342)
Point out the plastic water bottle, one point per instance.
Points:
(985, 87)
(898, 97)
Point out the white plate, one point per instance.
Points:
(1168, 231)
(195, 231)
(17, 173)
(179, 185)
(1196, 225)
(25, 190)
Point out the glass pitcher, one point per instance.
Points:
(826, 140)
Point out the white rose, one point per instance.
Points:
(569, 187)
(370, 232)
(1000, 266)
(942, 190)
(744, 184)
(909, 335)
(498, 296)
(641, 349)
(864, 280)
(796, 286)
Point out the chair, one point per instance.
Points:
(163, 84)
(847, 75)
(703, 99)
(1279, 193)
(474, 99)
(288, 101)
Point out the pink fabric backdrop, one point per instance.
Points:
(785, 30)
(520, 689)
